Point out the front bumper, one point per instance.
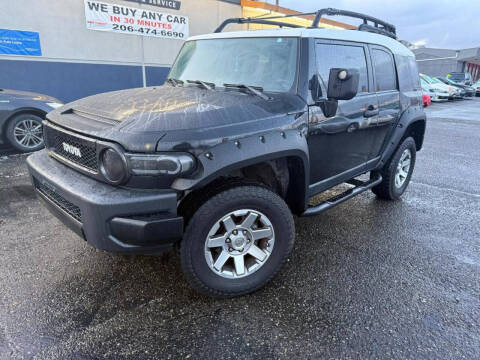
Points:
(440, 97)
(109, 218)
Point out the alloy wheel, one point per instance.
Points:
(28, 133)
(239, 243)
(403, 168)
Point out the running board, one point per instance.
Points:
(360, 186)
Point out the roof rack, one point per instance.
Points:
(379, 26)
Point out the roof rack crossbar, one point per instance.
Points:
(379, 26)
(384, 27)
(287, 16)
(261, 21)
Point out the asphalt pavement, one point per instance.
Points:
(368, 279)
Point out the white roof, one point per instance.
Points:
(395, 46)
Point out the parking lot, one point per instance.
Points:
(368, 279)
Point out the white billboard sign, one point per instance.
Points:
(135, 21)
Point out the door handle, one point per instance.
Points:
(371, 111)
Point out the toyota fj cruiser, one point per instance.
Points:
(247, 128)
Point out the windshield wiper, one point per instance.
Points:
(174, 82)
(255, 90)
(206, 85)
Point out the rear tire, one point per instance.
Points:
(396, 174)
(237, 241)
(25, 132)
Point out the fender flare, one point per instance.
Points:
(231, 155)
(410, 116)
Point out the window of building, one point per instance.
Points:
(342, 56)
(384, 70)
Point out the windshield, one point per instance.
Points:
(269, 63)
(435, 81)
(450, 81)
(425, 78)
(457, 77)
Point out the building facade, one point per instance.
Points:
(439, 62)
(67, 60)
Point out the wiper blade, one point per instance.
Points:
(206, 85)
(255, 90)
(174, 82)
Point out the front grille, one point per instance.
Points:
(56, 142)
(71, 209)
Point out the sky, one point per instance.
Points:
(449, 24)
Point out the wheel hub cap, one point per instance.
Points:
(239, 244)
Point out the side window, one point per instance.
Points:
(342, 56)
(408, 77)
(414, 72)
(384, 70)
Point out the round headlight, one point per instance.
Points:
(113, 166)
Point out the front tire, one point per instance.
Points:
(25, 132)
(237, 241)
(397, 172)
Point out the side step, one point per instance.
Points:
(360, 187)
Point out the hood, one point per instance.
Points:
(27, 95)
(438, 86)
(180, 116)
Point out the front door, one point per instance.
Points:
(341, 145)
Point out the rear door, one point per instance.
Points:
(388, 95)
(339, 146)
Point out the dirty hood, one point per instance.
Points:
(167, 117)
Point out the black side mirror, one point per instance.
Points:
(342, 84)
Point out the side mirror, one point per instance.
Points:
(342, 84)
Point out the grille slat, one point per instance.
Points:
(55, 141)
(70, 208)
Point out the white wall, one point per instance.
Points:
(64, 36)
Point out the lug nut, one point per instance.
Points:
(230, 249)
(244, 232)
(228, 241)
(235, 232)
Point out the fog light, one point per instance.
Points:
(113, 166)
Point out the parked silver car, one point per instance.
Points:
(21, 116)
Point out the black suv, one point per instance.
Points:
(249, 126)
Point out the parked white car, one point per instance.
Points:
(453, 93)
(437, 95)
(477, 87)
